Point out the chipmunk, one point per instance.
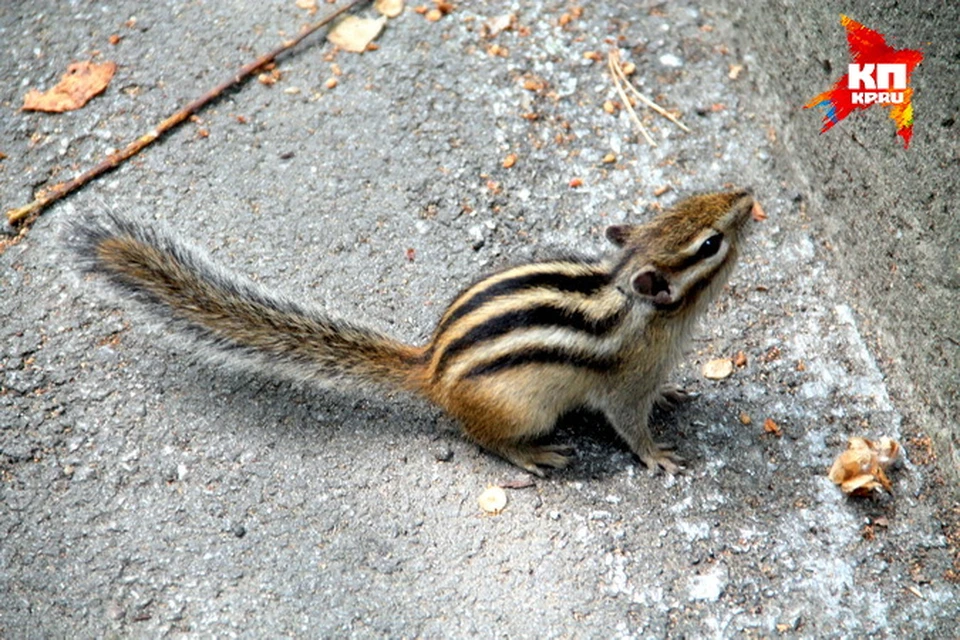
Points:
(510, 355)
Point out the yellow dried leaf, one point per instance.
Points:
(353, 34)
(82, 81)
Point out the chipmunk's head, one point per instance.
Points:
(685, 254)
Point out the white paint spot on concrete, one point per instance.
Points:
(710, 585)
(670, 60)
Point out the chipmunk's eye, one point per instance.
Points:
(710, 246)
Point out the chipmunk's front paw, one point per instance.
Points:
(672, 395)
(661, 457)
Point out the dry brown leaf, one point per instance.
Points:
(444, 7)
(82, 81)
(860, 469)
(534, 83)
(389, 8)
(353, 34)
(718, 369)
(769, 426)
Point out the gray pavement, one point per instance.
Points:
(145, 493)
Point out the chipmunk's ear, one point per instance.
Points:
(619, 234)
(651, 283)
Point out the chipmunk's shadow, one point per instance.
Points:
(600, 451)
(272, 406)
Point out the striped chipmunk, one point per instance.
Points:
(509, 356)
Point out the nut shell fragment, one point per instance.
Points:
(718, 369)
(757, 212)
(389, 8)
(493, 500)
(860, 469)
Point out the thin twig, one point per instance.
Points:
(626, 101)
(617, 70)
(114, 160)
(650, 103)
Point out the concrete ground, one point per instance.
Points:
(144, 493)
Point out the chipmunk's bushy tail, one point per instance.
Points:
(232, 318)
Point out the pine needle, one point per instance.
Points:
(620, 81)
